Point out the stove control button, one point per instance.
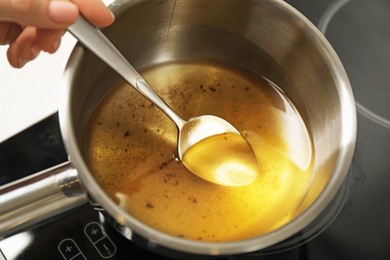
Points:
(105, 248)
(94, 232)
(69, 250)
(100, 240)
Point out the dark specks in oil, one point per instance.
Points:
(193, 200)
(149, 205)
(126, 134)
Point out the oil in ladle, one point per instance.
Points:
(226, 159)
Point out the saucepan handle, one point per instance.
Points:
(39, 197)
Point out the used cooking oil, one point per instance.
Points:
(131, 149)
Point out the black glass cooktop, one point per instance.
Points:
(359, 224)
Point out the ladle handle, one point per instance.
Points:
(93, 39)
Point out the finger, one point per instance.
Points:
(48, 40)
(96, 12)
(39, 13)
(24, 48)
(9, 32)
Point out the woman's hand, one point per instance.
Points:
(32, 26)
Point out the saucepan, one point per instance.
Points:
(267, 37)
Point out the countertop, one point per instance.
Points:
(29, 94)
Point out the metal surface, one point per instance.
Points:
(267, 37)
(39, 197)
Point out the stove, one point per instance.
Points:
(354, 226)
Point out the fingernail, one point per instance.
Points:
(56, 44)
(112, 16)
(63, 12)
(20, 63)
(35, 50)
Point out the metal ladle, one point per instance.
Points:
(231, 162)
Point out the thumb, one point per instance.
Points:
(50, 14)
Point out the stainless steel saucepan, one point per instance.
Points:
(264, 36)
